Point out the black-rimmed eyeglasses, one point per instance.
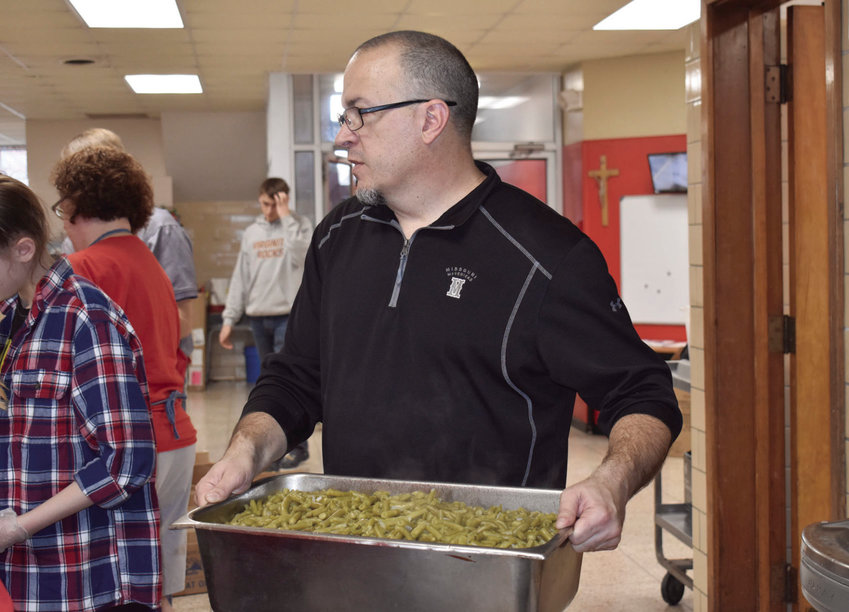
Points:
(58, 210)
(352, 117)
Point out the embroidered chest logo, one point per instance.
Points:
(459, 276)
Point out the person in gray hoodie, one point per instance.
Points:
(266, 279)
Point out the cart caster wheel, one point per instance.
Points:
(671, 589)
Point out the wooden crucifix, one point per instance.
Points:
(601, 175)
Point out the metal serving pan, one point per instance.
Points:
(824, 567)
(258, 569)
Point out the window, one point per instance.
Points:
(13, 162)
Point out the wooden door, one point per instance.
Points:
(745, 428)
(744, 371)
(816, 422)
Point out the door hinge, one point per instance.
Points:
(791, 581)
(777, 84)
(782, 334)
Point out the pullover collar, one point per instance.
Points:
(459, 213)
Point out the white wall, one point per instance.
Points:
(201, 156)
(46, 138)
(215, 156)
(640, 95)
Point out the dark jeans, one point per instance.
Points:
(269, 333)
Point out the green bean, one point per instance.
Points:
(410, 516)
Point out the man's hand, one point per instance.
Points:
(229, 476)
(11, 531)
(257, 440)
(224, 337)
(281, 201)
(595, 507)
(596, 512)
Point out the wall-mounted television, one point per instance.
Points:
(668, 172)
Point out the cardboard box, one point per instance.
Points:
(202, 465)
(198, 311)
(197, 356)
(195, 578)
(198, 336)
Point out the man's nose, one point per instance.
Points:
(344, 137)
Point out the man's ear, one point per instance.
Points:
(23, 251)
(437, 116)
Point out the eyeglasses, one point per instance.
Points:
(352, 117)
(57, 209)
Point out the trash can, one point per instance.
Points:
(251, 364)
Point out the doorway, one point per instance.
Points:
(774, 454)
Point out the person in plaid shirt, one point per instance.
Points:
(106, 198)
(79, 519)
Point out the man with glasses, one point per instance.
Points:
(266, 278)
(447, 320)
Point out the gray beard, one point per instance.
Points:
(370, 197)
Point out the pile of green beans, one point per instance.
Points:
(408, 516)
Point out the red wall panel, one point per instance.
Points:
(630, 157)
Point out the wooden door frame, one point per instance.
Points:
(816, 467)
(836, 246)
(743, 297)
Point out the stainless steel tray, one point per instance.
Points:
(257, 569)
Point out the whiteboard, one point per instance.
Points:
(655, 258)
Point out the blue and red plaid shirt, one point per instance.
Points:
(77, 412)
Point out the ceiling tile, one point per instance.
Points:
(257, 22)
(233, 45)
(442, 25)
(453, 7)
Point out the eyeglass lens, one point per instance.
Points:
(352, 118)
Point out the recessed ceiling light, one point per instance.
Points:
(652, 15)
(129, 13)
(164, 83)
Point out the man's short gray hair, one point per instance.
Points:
(434, 68)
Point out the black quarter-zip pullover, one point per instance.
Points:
(455, 356)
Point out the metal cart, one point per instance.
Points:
(675, 519)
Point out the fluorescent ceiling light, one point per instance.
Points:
(129, 13)
(164, 83)
(652, 15)
(501, 102)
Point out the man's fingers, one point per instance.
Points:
(595, 535)
(222, 481)
(593, 541)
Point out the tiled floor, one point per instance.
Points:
(626, 579)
